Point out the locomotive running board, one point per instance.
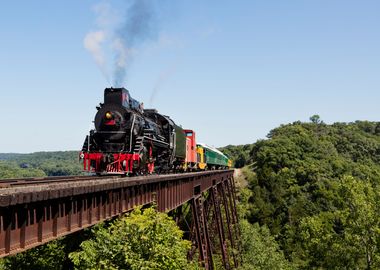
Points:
(157, 142)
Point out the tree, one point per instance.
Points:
(46, 257)
(349, 236)
(316, 119)
(260, 249)
(240, 161)
(377, 129)
(141, 240)
(361, 218)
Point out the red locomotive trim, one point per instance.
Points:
(110, 123)
(114, 167)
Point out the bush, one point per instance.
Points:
(141, 240)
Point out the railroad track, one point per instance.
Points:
(14, 182)
(33, 181)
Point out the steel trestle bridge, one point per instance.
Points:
(34, 211)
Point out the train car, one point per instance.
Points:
(191, 161)
(214, 158)
(202, 165)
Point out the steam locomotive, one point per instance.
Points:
(129, 139)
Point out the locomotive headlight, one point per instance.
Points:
(108, 115)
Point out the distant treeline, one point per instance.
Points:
(40, 164)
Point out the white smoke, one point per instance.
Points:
(120, 35)
(96, 42)
(121, 60)
(93, 43)
(106, 16)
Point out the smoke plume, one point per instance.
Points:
(162, 78)
(93, 42)
(139, 26)
(120, 35)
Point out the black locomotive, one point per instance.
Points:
(128, 139)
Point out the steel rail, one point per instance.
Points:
(5, 183)
(13, 182)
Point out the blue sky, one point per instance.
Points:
(230, 70)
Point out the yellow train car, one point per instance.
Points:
(211, 158)
(201, 158)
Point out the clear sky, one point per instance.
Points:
(230, 70)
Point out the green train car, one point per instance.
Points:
(214, 158)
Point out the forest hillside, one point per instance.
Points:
(316, 187)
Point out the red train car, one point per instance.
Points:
(191, 149)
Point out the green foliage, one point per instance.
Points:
(316, 119)
(316, 187)
(40, 164)
(239, 154)
(348, 236)
(46, 257)
(53, 255)
(298, 167)
(141, 240)
(13, 170)
(260, 249)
